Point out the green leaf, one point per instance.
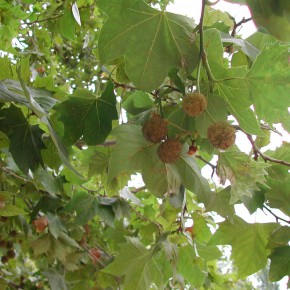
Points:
(87, 207)
(271, 17)
(216, 111)
(168, 41)
(220, 203)
(278, 194)
(202, 232)
(138, 265)
(268, 82)
(85, 115)
(133, 153)
(56, 280)
(137, 102)
(279, 237)
(11, 210)
(280, 263)
(236, 94)
(248, 243)
(55, 226)
(242, 172)
(189, 268)
(41, 245)
(208, 253)
(67, 25)
(25, 139)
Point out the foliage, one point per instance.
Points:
(78, 81)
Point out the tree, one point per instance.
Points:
(95, 94)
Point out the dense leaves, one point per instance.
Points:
(86, 201)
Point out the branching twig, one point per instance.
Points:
(265, 157)
(236, 25)
(213, 167)
(274, 215)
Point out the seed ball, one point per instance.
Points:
(10, 254)
(169, 151)
(221, 135)
(4, 259)
(194, 104)
(155, 129)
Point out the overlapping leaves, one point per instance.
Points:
(168, 41)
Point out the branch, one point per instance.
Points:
(274, 215)
(265, 157)
(138, 189)
(236, 25)
(262, 126)
(213, 167)
(11, 173)
(45, 19)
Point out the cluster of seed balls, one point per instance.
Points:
(220, 134)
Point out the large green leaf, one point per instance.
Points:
(87, 207)
(268, 82)
(278, 194)
(168, 41)
(25, 139)
(248, 242)
(243, 173)
(190, 266)
(138, 264)
(84, 115)
(280, 263)
(272, 16)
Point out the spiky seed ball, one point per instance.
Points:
(169, 151)
(10, 254)
(155, 129)
(221, 135)
(194, 104)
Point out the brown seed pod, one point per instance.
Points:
(194, 104)
(221, 135)
(4, 259)
(155, 129)
(169, 151)
(10, 254)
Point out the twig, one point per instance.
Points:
(274, 215)
(10, 172)
(45, 19)
(138, 189)
(236, 25)
(262, 126)
(265, 157)
(213, 167)
(144, 218)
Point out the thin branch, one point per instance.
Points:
(274, 215)
(11, 173)
(265, 157)
(262, 126)
(45, 19)
(138, 189)
(213, 167)
(144, 218)
(236, 25)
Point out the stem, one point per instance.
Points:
(201, 44)
(257, 150)
(274, 215)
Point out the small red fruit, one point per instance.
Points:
(192, 150)
(40, 224)
(95, 255)
(40, 69)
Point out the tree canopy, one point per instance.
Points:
(109, 110)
